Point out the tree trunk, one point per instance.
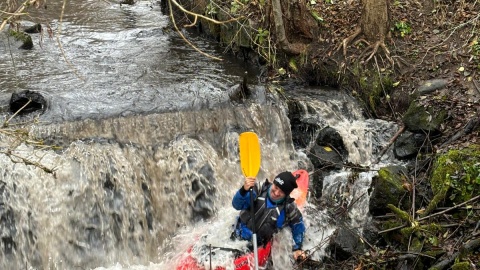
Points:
(375, 20)
(374, 26)
(295, 23)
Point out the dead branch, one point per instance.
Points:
(471, 125)
(18, 12)
(392, 140)
(450, 209)
(196, 16)
(26, 161)
(199, 15)
(180, 33)
(5, 124)
(467, 247)
(434, 215)
(57, 36)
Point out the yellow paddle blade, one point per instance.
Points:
(249, 147)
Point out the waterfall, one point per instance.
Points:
(121, 186)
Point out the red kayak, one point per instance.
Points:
(246, 261)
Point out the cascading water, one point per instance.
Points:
(366, 138)
(115, 195)
(122, 187)
(149, 156)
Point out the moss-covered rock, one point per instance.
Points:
(374, 88)
(26, 39)
(388, 189)
(421, 119)
(456, 176)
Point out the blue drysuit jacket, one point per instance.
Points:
(289, 212)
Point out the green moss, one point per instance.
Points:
(418, 118)
(434, 253)
(393, 236)
(389, 224)
(461, 266)
(427, 232)
(456, 175)
(416, 245)
(389, 183)
(400, 213)
(374, 87)
(390, 177)
(25, 38)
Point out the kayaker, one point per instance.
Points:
(274, 209)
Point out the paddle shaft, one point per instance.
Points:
(254, 236)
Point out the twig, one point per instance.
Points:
(450, 209)
(57, 37)
(27, 161)
(392, 140)
(180, 33)
(433, 215)
(199, 15)
(469, 246)
(18, 12)
(5, 124)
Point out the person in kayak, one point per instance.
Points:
(274, 210)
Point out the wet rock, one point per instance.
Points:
(317, 184)
(325, 158)
(241, 91)
(35, 29)
(329, 150)
(424, 119)
(331, 138)
(408, 145)
(8, 229)
(4, 102)
(26, 102)
(388, 188)
(302, 129)
(431, 85)
(344, 243)
(203, 188)
(127, 2)
(26, 39)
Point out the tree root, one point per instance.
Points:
(371, 47)
(374, 48)
(285, 45)
(349, 39)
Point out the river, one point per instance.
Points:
(138, 151)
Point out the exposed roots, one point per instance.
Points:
(369, 51)
(348, 40)
(374, 48)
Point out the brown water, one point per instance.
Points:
(107, 60)
(147, 137)
(148, 140)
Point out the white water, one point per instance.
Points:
(125, 188)
(366, 137)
